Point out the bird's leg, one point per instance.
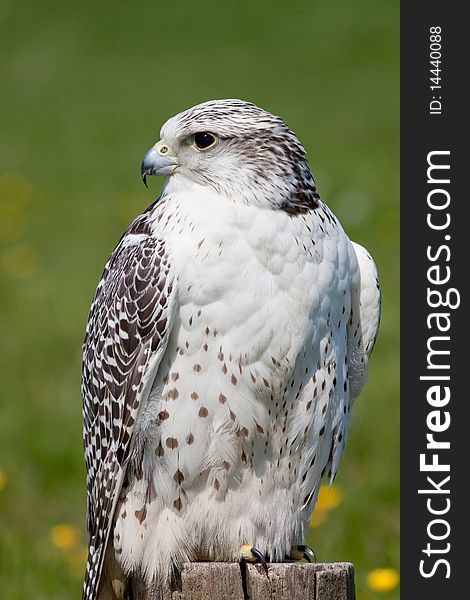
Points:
(300, 551)
(251, 554)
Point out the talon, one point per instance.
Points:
(300, 552)
(261, 558)
(251, 554)
(309, 553)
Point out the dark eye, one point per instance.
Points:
(204, 140)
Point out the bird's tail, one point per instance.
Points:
(104, 578)
(94, 567)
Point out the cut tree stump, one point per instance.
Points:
(286, 581)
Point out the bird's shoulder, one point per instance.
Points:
(129, 319)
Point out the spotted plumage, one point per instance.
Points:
(227, 340)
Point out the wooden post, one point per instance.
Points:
(286, 581)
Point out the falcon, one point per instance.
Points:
(227, 340)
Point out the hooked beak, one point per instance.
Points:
(158, 161)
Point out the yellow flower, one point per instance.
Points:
(3, 480)
(318, 517)
(383, 580)
(65, 537)
(329, 497)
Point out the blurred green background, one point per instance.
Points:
(85, 87)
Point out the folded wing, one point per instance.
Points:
(127, 332)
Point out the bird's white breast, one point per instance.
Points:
(256, 272)
(259, 292)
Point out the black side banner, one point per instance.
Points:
(435, 397)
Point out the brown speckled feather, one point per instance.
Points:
(127, 331)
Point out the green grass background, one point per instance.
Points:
(85, 87)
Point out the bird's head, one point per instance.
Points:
(238, 149)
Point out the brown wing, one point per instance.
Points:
(127, 332)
